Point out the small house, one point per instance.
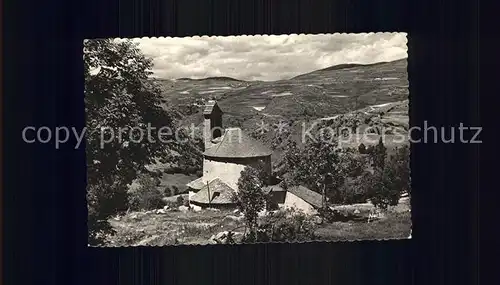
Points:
(304, 199)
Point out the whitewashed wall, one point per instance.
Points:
(293, 201)
(228, 171)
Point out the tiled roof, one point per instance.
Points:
(210, 106)
(236, 144)
(220, 193)
(196, 184)
(311, 197)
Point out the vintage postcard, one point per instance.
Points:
(247, 139)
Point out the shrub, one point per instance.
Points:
(147, 196)
(167, 191)
(180, 201)
(175, 190)
(283, 226)
(190, 169)
(362, 148)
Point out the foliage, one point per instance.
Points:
(378, 155)
(100, 201)
(362, 148)
(180, 201)
(311, 165)
(167, 191)
(382, 194)
(283, 226)
(250, 197)
(230, 238)
(118, 97)
(400, 163)
(147, 196)
(355, 189)
(351, 182)
(330, 215)
(390, 179)
(175, 190)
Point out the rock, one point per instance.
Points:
(356, 212)
(183, 209)
(212, 241)
(236, 211)
(166, 208)
(160, 211)
(196, 208)
(233, 218)
(219, 237)
(317, 220)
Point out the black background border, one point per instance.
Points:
(44, 207)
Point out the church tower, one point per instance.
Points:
(212, 124)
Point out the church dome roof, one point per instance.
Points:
(236, 144)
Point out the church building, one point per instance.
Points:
(227, 152)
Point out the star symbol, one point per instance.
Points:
(280, 127)
(262, 127)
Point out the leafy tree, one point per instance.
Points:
(147, 196)
(383, 193)
(250, 197)
(400, 165)
(118, 97)
(378, 155)
(311, 165)
(390, 179)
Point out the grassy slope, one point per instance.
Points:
(148, 228)
(339, 96)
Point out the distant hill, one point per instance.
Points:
(357, 65)
(350, 93)
(322, 93)
(221, 78)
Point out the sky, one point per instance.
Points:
(267, 58)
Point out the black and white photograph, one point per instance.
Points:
(247, 139)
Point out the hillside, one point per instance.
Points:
(356, 94)
(322, 93)
(367, 99)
